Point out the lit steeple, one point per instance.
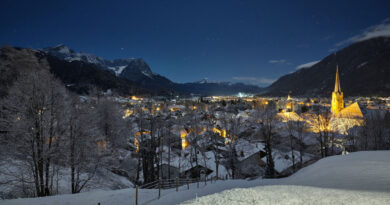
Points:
(337, 95)
(337, 87)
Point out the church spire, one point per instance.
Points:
(337, 95)
(337, 87)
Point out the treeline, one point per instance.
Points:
(45, 128)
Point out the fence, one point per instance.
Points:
(169, 184)
(161, 184)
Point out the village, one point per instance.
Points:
(194, 102)
(227, 136)
(139, 141)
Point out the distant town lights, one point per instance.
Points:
(244, 95)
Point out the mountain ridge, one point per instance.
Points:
(364, 71)
(138, 71)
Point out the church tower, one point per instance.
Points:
(337, 95)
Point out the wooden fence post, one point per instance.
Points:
(136, 195)
(177, 185)
(159, 188)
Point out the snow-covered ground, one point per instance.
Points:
(284, 194)
(357, 178)
(103, 180)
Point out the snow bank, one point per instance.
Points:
(292, 195)
(358, 171)
(357, 178)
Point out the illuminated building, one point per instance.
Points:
(221, 133)
(128, 112)
(337, 95)
(136, 98)
(343, 118)
(183, 135)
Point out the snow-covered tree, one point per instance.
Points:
(32, 115)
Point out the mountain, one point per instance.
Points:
(138, 72)
(205, 87)
(81, 77)
(364, 71)
(63, 52)
(77, 76)
(135, 70)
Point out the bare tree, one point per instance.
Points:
(265, 116)
(32, 116)
(290, 126)
(83, 144)
(232, 124)
(299, 130)
(375, 132)
(320, 124)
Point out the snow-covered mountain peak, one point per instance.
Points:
(203, 81)
(117, 66)
(206, 80)
(61, 48)
(138, 64)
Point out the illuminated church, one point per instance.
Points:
(343, 118)
(337, 95)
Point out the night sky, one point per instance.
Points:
(248, 41)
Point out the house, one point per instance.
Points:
(196, 172)
(252, 165)
(169, 172)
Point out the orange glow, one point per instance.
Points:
(198, 131)
(143, 132)
(289, 105)
(136, 98)
(136, 142)
(289, 116)
(52, 140)
(183, 135)
(319, 124)
(102, 145)
(173, 109)
(221, 133)
(264, 102)
(128, 112)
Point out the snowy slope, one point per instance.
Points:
(358, 178)
(283, 194)
(360, 171)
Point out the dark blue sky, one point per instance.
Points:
(250, 41)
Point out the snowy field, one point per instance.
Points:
(290, 194)
(357, 178)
